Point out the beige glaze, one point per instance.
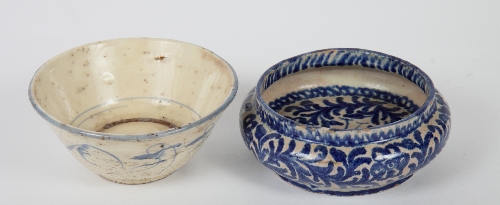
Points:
(133, 110)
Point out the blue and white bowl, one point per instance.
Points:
(133, 110)
(345, 121)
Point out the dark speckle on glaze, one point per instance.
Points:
(160, 58)
(80, 90)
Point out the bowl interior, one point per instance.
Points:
(132, 86)
(344, 97)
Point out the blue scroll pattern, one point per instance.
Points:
(351, 108)
(319, 167)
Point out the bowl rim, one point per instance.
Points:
(127, 137)
(335, 131)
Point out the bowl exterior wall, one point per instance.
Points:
(344, 170)
(136, 161)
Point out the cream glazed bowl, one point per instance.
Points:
(133, 110)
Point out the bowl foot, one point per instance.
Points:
(136, 181)
(346, 193)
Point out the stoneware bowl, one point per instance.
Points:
(133, 110)
(345, 121)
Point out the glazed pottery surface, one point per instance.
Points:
(345, 121)
(133, 110)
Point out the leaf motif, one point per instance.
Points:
(260, 132)
(266, 138)
(339, 156)
(418, 137)
(332, 113)
(434, 128)
(408, 144)
(355, 152)
(355, 116)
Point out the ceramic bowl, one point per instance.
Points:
(133, 110)
(345, 121)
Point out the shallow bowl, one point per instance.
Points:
(133, 110)
(345, 121)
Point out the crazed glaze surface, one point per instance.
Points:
(345, 121)
(133, 110)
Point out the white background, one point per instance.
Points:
(456, 43)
